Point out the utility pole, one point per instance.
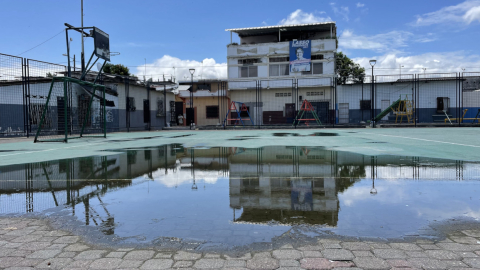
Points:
(83, 54)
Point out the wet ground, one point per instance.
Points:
(301, 192)
(233, 197)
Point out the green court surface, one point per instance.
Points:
(448, 143)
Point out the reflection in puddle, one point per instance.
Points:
(239, 196)
(282, 134)
(325, 134)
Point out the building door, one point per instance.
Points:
(178, 111)
(290, 112)
(322, 109)
(343, 113)
(146, 111)
(190, 116)
(384, 105)
(60, 115)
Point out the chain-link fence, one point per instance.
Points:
(441, 99)
(470, 98)
(354, 99)
(12, 97)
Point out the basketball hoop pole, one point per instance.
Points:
(96, 34)
(69, 74)
(78, 29)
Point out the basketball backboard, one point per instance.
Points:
(102, 44)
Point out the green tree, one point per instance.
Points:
(346, 69)
(118, 69)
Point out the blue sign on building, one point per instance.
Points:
(300, 55)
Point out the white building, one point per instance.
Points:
(260, 76)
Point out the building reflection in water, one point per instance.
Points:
(287, 185)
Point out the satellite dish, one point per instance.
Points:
(99, 66)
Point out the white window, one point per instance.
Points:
(283, 94)
(248, 61)
(248, 71)
(279, 59)
(315, 68)
(318, 93)
(279, 70)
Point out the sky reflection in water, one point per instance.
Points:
(239, 196)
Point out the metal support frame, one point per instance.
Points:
(67, 80)
(44, 111)
(88, 111)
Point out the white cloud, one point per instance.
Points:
(463, 13)
(472, 15)
(359, 5)
(429, 37)
(380, 43)
(170, 65)
(388, 63)
(341, 12)
(300, 17)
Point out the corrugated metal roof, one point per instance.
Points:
(278, 26)
(183, 87)
(201, 93)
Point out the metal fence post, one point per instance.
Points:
(165, 105)
(127, 103)
(104, 115)
(65, 117)
(24, 92)
(415, 98)
(334, 88)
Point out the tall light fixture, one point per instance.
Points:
(192, 70)
(372, 102)
(400, 71)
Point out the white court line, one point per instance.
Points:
(477, 146)
(52, 149)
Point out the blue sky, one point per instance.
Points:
(442, 36)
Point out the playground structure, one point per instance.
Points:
(401, 108)
(306, 107)
(463, 117)
(233, 108)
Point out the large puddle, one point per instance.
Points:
(238, 196)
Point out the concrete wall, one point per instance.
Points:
(140, 93)
(264, 51)
(427, 93)
(200, 104)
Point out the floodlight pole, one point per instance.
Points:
(83, 53)
(372, 63)
(192, 70)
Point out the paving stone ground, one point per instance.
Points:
(32, 244)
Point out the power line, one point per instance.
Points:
(41, 43)
(142, 66)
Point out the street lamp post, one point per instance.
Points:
(192, 70)
(400, 71)
(372, 63)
